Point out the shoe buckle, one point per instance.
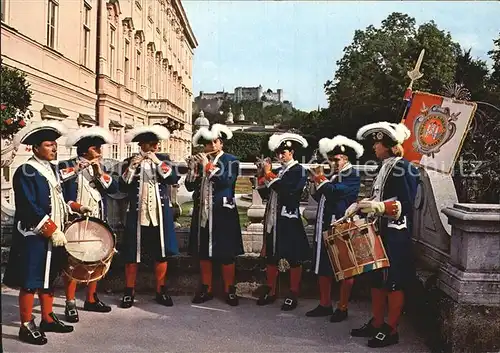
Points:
(72, 312)
(36, 334)
(127, 299)
(380, 336)
(232, 296)
(288, 301)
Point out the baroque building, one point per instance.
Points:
(145, 71)
(112, 63)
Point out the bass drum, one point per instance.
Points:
(90, 249)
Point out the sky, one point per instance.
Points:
(294, 45)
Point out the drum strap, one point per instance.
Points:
(319, 231)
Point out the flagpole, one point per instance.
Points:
(414, 75)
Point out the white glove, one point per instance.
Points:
(351, 209)
(85, 209)
(375, 207)
(58, 238)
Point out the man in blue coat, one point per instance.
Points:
(38, 239)
(334, 195)
(86, 181)
(215, 228)
(150, 224)
(285, 241)
(393, 195)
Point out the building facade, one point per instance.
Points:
(116, 64)
(144, 73)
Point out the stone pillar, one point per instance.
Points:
(470, 312)
(256, 210)
(253, 236)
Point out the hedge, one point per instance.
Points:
(247, 146)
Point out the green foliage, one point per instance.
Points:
(247, 146)
(371, 76)
(16, 98)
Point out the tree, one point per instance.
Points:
(495, 56)
(15, 101)
(472, 74)
(371, 76)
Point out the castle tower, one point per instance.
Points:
(280, 95)
(259, 93)
(229, 118)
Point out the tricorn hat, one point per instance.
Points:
(92, 136)
(37, 132)
(286, 141)
(390, 134)
(217, 131)
(147, 133)
(340, 145)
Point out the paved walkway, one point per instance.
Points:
(213, 327)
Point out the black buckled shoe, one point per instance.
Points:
(339, 315)
(265, 298)
(55, 326)
(320, 311)
(384, 337)
(367, 330)
(128, 298)
(232, 298)
(290, 302)
(70, 311)
(29, 333)
(163, 298)
(202, 295)
(97, 306)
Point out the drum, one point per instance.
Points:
(90, 249)
(354, 247)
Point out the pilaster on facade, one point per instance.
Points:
(146, 63)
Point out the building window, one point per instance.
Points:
(112, 34)
(86, 34)
(114, 151)
(51, 23)
(138, 72)
(150, 76)
(128, 151)
(127, 64)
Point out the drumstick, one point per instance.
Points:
(350, 215)
(83, 241)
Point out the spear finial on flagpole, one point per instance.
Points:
(414, 75)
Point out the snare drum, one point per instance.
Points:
(354, 247)
(90, 249)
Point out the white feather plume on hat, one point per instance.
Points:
(36, 127)
(326, 145)
(213, 133)
(160, 131)
(397, 132)
(276, 140)
(94, 131)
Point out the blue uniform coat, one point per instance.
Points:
(225, 241)
(338, 193)
(28, 254)
(291, 239)
(401, 185)
(129, 246)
